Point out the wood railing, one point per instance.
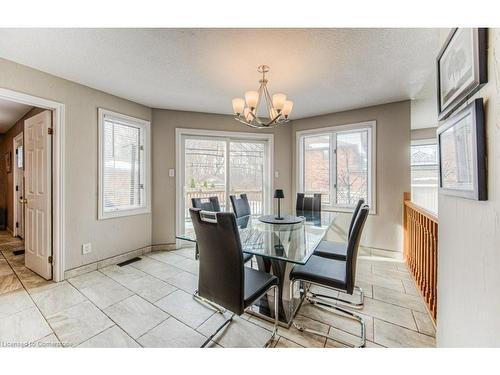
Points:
(420, 250)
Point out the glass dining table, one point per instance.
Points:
(277, 248)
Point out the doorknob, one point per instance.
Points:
(23, 201)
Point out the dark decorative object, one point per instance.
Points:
(278, 194)
(461, 68)
(271, 219)
(8, 162)
(462, 153)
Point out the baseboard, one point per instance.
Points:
(164, 247)
(383, 253)
(106, 262)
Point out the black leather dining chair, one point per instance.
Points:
(212, 204)
(241, 207)
(308, 203)
(223, 282)
(338, 250)
(339, 275)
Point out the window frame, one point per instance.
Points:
(145, 128)
(371, 128)
(425, 142)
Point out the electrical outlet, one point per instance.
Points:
(86, 248)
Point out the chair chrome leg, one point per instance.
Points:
(218, 309)
(226, 322)
(336, 310)
(276, 316)
(356, 305)
(210, 304)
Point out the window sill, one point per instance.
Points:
(123, 213)
(345, 210)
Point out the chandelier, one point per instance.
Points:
(274, 113)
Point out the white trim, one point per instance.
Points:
(15, 176)
(199, 133)
(58, 184)
(423, 142)
(144, 126)
(371, 126)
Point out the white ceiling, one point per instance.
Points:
(10, 112)
(321, 70)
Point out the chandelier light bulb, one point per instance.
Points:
(238, 106)
(279, 101)
(287, 108)
(252, 97)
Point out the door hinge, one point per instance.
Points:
(17, 188)
(16, 151)
(50, 131)
(17, 224)
(50, 259)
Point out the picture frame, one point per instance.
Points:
(8, 162)
(461, 68)
(462, 153)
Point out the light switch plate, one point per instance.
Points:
(276, 174)
(171, 172)
(86, 248)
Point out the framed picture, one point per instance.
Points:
(7, 162)
(462, 153)
(461, 68)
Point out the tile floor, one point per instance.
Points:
(149, 303)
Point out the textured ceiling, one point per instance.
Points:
(10, 112)
(321, 70)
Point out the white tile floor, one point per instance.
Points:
(149, 303)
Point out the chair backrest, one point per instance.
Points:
(355, 215)
(308, 203)
(221, 274)
(353, 246)
(212, 204)
(241, 207)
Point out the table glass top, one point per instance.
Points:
(293, 243)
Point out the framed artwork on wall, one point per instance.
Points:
(461, 68)
(462, 153)
(7, 162)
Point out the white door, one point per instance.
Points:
(38, 194)
(19, 186)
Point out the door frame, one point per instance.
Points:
(15, 179)
(58, 161)
(179, 162)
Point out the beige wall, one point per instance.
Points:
(163, 137)
(108, 237)
(469, 241)
(427, 133)
(383, 230)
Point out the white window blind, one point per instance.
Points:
(123, 166)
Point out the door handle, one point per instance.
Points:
(23, 201)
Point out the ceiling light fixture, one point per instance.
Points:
(276, 110)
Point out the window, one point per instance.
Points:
(424, 174)
(338, 162)
(124, 159)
